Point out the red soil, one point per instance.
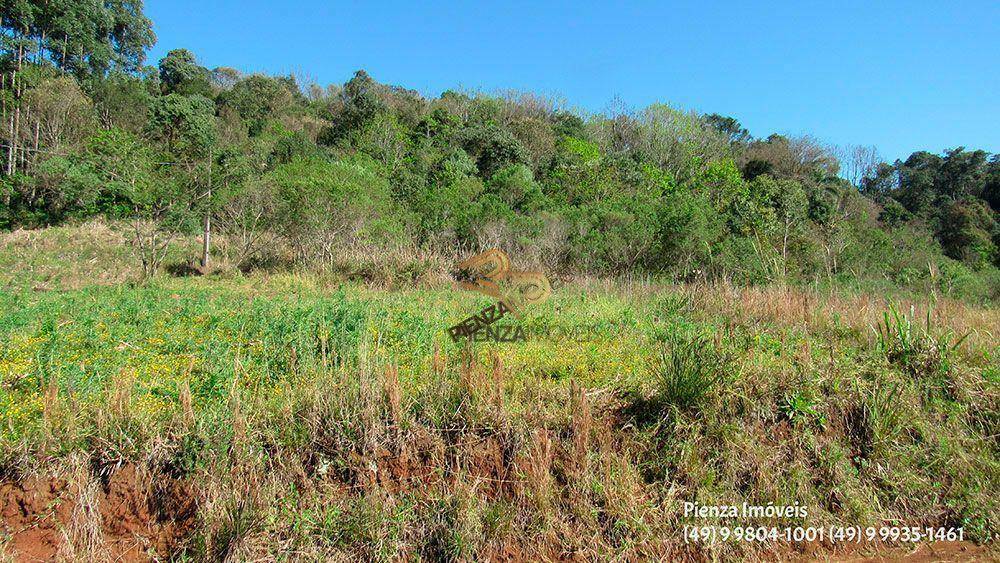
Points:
(136, 522)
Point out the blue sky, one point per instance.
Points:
(902, 76)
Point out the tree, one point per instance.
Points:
(859, 163)
(291, 147)
(326, 207)
(361, 102)
(256, 99)
(881, 182)
(797, 158)
(991, 186)
(245, 206)
(515, 185)
(61, 110)
(180, 73)
(225, 77)
(790, 203)
(185, 124)
(493, 148)
(160, 204)
(966, 232)
(382, 138)
(730, 127)
(446, 203)
(66, 187)
(85, 37)
(962, 173)
(927, 181)
(566, 124)
(619, 233)
(537, 138)
(121, 101)
(680, 142)
(689, 230)
(919, 178)
(893, 214)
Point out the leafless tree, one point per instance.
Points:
(858, 162)
(242, 219)
(62, 111)
(151, 240)
(224, 77)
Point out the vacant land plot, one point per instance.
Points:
(305, 415)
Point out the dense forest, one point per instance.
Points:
(294, 173)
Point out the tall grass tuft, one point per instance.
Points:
(393, 394)
(913, 347)
(186, 399)
(82, 537)
(877, 421)
(538, 473)
(581, 425)
(688, 371)
(497, 382)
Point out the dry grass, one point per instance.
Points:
(69, 257)
(83, 537)
(309, 421)
(581, 426)
(788, 307)
(393, 394)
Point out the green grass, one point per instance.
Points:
(753, 400)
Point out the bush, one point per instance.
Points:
(325, 207)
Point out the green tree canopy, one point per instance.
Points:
(180, 73)
(86, 37)
(185, 123)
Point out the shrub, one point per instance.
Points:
(328, 206)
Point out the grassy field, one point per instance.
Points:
(308, 416)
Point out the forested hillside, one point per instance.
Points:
(291, 171)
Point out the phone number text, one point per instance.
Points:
(837, 534)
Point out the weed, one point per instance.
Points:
(801, 406)
(913, 347)
(688, 372)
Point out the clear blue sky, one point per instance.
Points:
(902, 76)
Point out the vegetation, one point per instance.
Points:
(181, 149)
(311, 416)
(224, 301)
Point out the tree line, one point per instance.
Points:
(284, 169)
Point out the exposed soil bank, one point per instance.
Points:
(49, 518)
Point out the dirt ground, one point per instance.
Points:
(39, 516)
